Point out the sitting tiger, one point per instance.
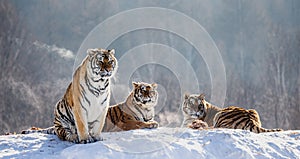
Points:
(196, 108)
(136, 112)
(81, 113)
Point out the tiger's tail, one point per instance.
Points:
(49, 130)
(258, 129)
(263, 130)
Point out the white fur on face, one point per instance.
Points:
(146, 95)
(103, 65)
(194, 107)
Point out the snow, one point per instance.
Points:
(163, 142)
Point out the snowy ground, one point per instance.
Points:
(158, 143)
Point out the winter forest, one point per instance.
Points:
(258, 43)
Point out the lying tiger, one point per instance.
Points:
(136, 112)
(81, 113)
(195, 107)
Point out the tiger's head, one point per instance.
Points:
(103, 63)
(145, 94)
(194, 106)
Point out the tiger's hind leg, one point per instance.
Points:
(64, 124)
(66, 133)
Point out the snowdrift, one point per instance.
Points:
(158, 143)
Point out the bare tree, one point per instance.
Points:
(280, 75)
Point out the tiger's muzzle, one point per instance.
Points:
(106, 73)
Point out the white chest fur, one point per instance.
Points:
(96, 99)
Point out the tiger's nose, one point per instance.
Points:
(104, 73)
(201, 106)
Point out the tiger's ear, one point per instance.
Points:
(154, 85)
(91, 52)
(135, 84)
(202, 96)
(112, 51)
(186, 96)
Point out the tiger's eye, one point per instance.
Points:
(99, 56)
(192, 101)
(199, 101)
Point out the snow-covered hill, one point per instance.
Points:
(158, 143)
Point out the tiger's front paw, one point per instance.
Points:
(73, 138)
(97, 138)
(198, 124)
(89, 139)
(152, 124)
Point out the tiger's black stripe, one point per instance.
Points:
(70, 116)
(134, 114)
(112, 119)
(230, 118)
(84, 95)
(247, 125)
(91, 124)
(106, 82)
(122, 116)
(143, 115)
(251, 127)
(105, 86)
(239, 118)
(105, 99)
(257, 129)
(116, 114)
(136, 93)
(229, 114)
(100, 79)
(94, 65)
(243, 120)
(62, 116)
(91, 88)
(82, 106)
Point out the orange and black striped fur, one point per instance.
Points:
(195, 107)
(239, 118)
(136, 112)
(81, 113)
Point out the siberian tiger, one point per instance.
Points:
(136, 112)
(81, 113)
(195, 107)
